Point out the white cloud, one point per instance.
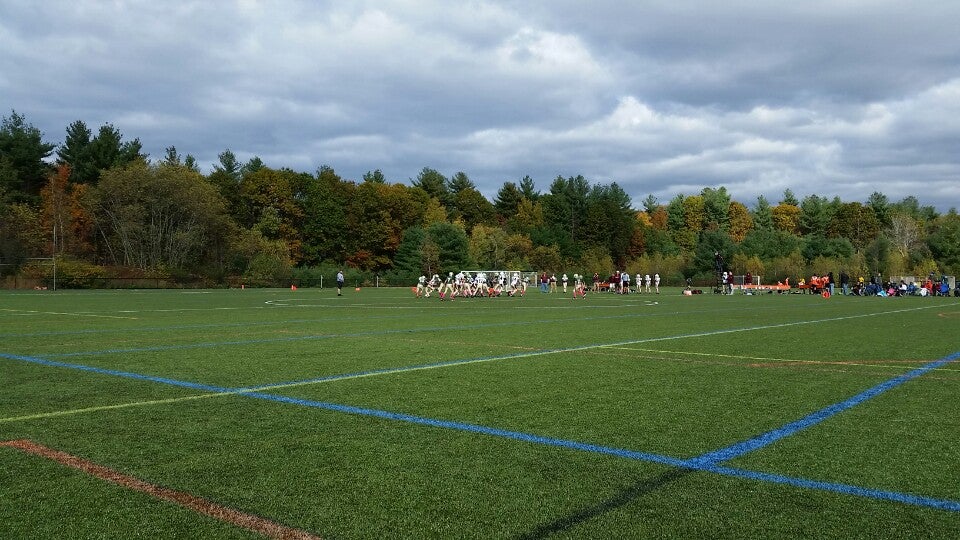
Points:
(660, 98)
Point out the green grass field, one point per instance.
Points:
(377, 415)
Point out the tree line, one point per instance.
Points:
(105, 209)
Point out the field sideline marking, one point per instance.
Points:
(186, 500)
(271, 323)
(436, 365)
(99, 408)
(313, 337)
(766, 439)
(781, 360)
(190, 326)
(695, 464)
(707, 462)
(214, 344)
(77, 314)
(543, 352)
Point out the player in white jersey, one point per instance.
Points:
(647, 280)
(433, 284)
(656, 282)
(421, 286)
(579, 289)
(514, 284)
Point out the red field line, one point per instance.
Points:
(186, 500)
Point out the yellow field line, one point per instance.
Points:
(54, 414)
(117, 406)
(68, 314)
(784, 360)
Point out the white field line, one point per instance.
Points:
(455, 363)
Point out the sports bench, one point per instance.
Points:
(758, 288)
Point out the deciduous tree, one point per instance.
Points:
(157, 216)
(740, 221)
(786, 218)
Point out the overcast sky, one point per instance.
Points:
(828, 97)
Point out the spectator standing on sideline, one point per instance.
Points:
(844, 283)
(830, 282)
(339, 282)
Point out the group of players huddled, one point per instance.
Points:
(480, 284)
(465, 285)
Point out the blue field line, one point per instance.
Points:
(844, 489)
(472, 428)
(116, 373)
(692, 464)
(768, 438)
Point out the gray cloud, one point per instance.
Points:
(837, 99)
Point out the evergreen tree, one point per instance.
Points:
(108, 150)
(528, 189)
(650, 204)
(762, 214)
(376, 177)
(508, 197)
(459, 182)
(789, 198)
(172, 156)
(716, 205)
(22, 157)
(228, 165)
(453, 244)
(814, 216)
(880, 205)
(253, 165)
(75, 152)
(435, 184)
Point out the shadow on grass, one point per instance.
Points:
(623, 498)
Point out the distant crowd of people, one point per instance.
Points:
(876, 286)
(620, 283)
(480, 284)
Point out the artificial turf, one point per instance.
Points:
(378, 415)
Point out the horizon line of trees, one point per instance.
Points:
(104, 208)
